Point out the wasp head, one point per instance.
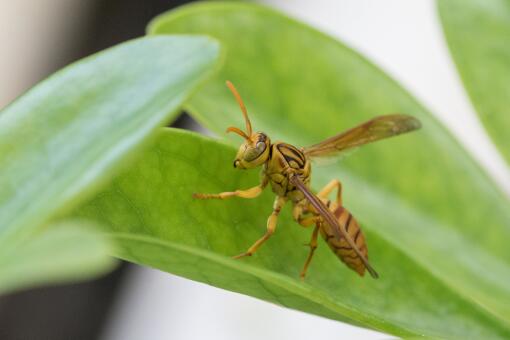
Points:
(255, 149)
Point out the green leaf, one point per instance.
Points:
(68, 252)
(478, 33)
(421, 193)
(150, 212)
(437, 226)
(72, 132)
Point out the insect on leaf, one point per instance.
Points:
(436, 224)
(196, 239)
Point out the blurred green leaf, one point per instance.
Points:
(70, 133)
(478, 33)
(68, 252)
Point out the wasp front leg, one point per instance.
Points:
(271, 227)
(248, 193)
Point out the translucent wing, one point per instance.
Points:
(331, 220)
(373, 130)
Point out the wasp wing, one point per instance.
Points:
(373, 130)
(330, 218)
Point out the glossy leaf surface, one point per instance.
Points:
(73, 131)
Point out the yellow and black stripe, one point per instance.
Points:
(342, 248)
(294, 157)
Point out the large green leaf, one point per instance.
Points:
(420, 193)
(70, 133)
(65, 253)
(478, 33)
(437, 227)
(150, 211)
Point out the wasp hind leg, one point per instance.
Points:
(271, 227)
(313, 246)
(332, 185)
(303, 216)
(300, 211)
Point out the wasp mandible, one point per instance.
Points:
(288, 170)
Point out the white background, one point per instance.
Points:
(403, 37)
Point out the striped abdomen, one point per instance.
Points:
(341, 248)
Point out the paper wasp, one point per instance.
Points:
(288, 170)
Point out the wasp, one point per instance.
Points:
(288, 170)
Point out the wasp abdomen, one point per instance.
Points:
(340, 247)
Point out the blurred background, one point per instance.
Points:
(37, 37)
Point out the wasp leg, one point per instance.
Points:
(332, 185)
(313, 246)
(248, 193)
(308, 221)
(298, 213)
(271, 227)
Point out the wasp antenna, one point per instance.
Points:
(238, 131)
(241, 105)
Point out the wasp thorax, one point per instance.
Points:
(253, 152)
